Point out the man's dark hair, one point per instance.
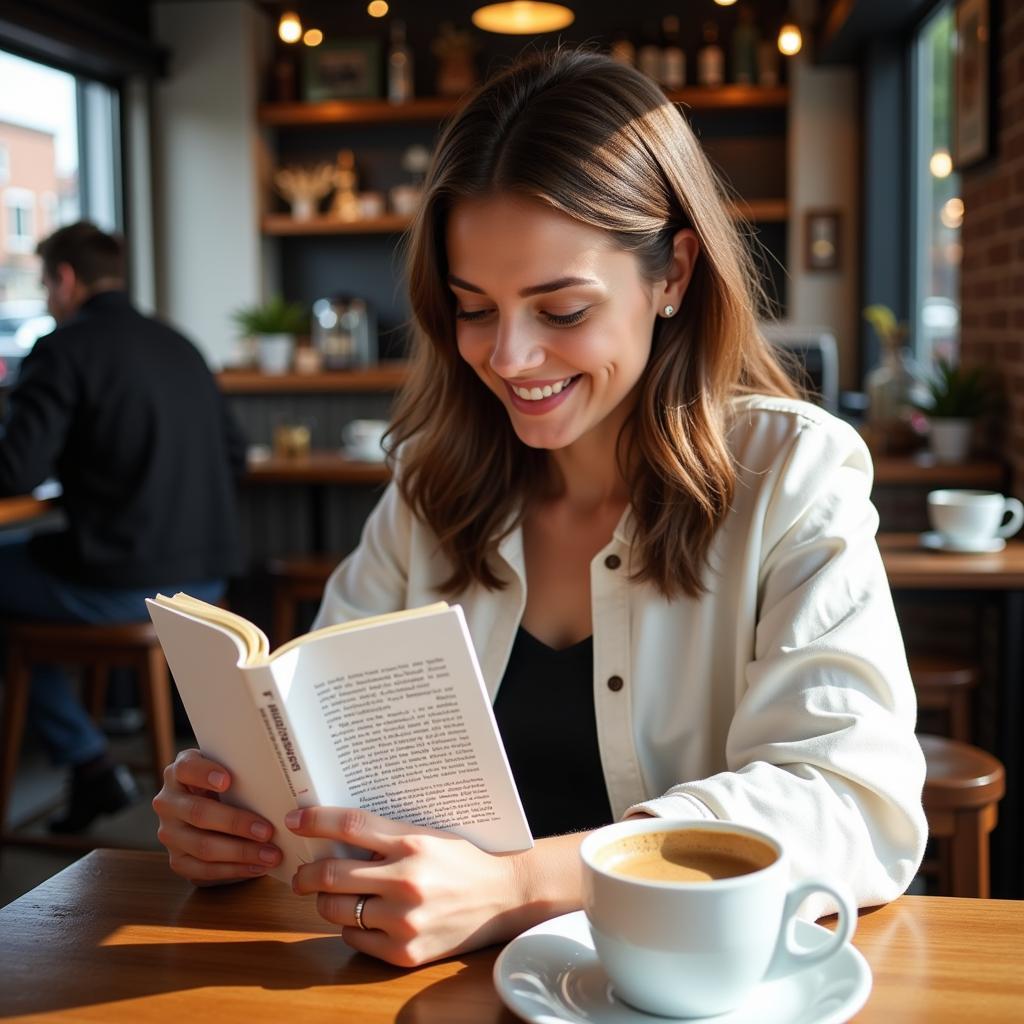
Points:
(91, 253)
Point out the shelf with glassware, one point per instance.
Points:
(435, 108)
(761, 211)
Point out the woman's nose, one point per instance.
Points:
(515, 351)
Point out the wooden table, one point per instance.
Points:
(22, 509)
(911, 568)
(318, 467)
(116, 937)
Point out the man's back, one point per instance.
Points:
(124, 410)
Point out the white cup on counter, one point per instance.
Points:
(364, 439)
(968, 519)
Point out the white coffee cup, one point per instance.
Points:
(974, 517)
(698, 948)
(364, 439)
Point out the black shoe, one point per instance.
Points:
(105, 792)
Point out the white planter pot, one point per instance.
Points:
(950, 439)
(274, 352)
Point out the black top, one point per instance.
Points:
(124, 411)
(545, 713)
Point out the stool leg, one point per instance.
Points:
(15, 708)
(969, 856)
(96, 690)
(155, 686)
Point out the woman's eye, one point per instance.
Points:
(471, 314)
(566, 320)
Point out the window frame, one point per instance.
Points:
(22, 200)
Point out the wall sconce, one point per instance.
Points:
(289, 28)
(522, 18)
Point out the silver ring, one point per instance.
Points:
(360, 903)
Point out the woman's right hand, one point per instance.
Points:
(208, 841)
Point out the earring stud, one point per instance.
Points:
(669, 310)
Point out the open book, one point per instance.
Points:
(387, 713)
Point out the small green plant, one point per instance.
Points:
(958, 393)
(275, 317)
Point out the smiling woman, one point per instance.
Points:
(666, 562)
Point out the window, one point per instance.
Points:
(60, 153)
(20, 211)
(938, 209)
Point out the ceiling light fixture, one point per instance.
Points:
(725, 3)
(523, 18)
(289, 28)
(790, 40)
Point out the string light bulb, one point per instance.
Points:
(790, 40)
(313, 37)
(377, 8)
(522, 18)
(289, 28)
(725, 3)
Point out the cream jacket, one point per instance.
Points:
(781, 698)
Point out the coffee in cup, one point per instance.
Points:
(685, 855)
(973, 518)
(688, 917)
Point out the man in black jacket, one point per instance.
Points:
(125, 413)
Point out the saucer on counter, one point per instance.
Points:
(937, 542)
(551, 974)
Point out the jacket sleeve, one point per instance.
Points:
(42, 409)
(821, 749)
(373, 578)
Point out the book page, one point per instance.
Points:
(395, 719)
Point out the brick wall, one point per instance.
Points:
(992, 282)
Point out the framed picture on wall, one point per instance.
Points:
(972, 109)
(821, 239)
(342, 71)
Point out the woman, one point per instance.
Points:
(666, 561)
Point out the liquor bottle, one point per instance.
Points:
(710, 58)
(648, 57)
(400, 88)
(673, 58)
(622, 49)
(744, 48)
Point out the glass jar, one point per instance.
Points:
(894, 391)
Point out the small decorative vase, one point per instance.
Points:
(891, 388)
(950, 439)
(274, 352)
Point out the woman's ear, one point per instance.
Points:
(669, 292)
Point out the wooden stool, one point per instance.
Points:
(945, 684)
(95, 649)
(962, 790)
(297, 580)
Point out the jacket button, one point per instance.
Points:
(615, 683)
(613, 561)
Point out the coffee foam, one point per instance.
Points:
(739, 853)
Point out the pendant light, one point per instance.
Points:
(523, 18)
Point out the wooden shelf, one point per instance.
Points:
(318, 467)
(383, 377)
(923, 470)
(285, 224)
(282, 224)
(434, 108)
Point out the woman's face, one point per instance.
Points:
(553, 318)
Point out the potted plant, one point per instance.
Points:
(957, 396)
(274, 326)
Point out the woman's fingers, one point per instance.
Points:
(204, 871)
(357, 827)
(190, 768)
(212, 847)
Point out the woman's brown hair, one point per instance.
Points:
(599, 142)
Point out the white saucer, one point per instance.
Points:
(937, 542)
(551, 975)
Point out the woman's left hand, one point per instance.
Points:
(429, 893)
